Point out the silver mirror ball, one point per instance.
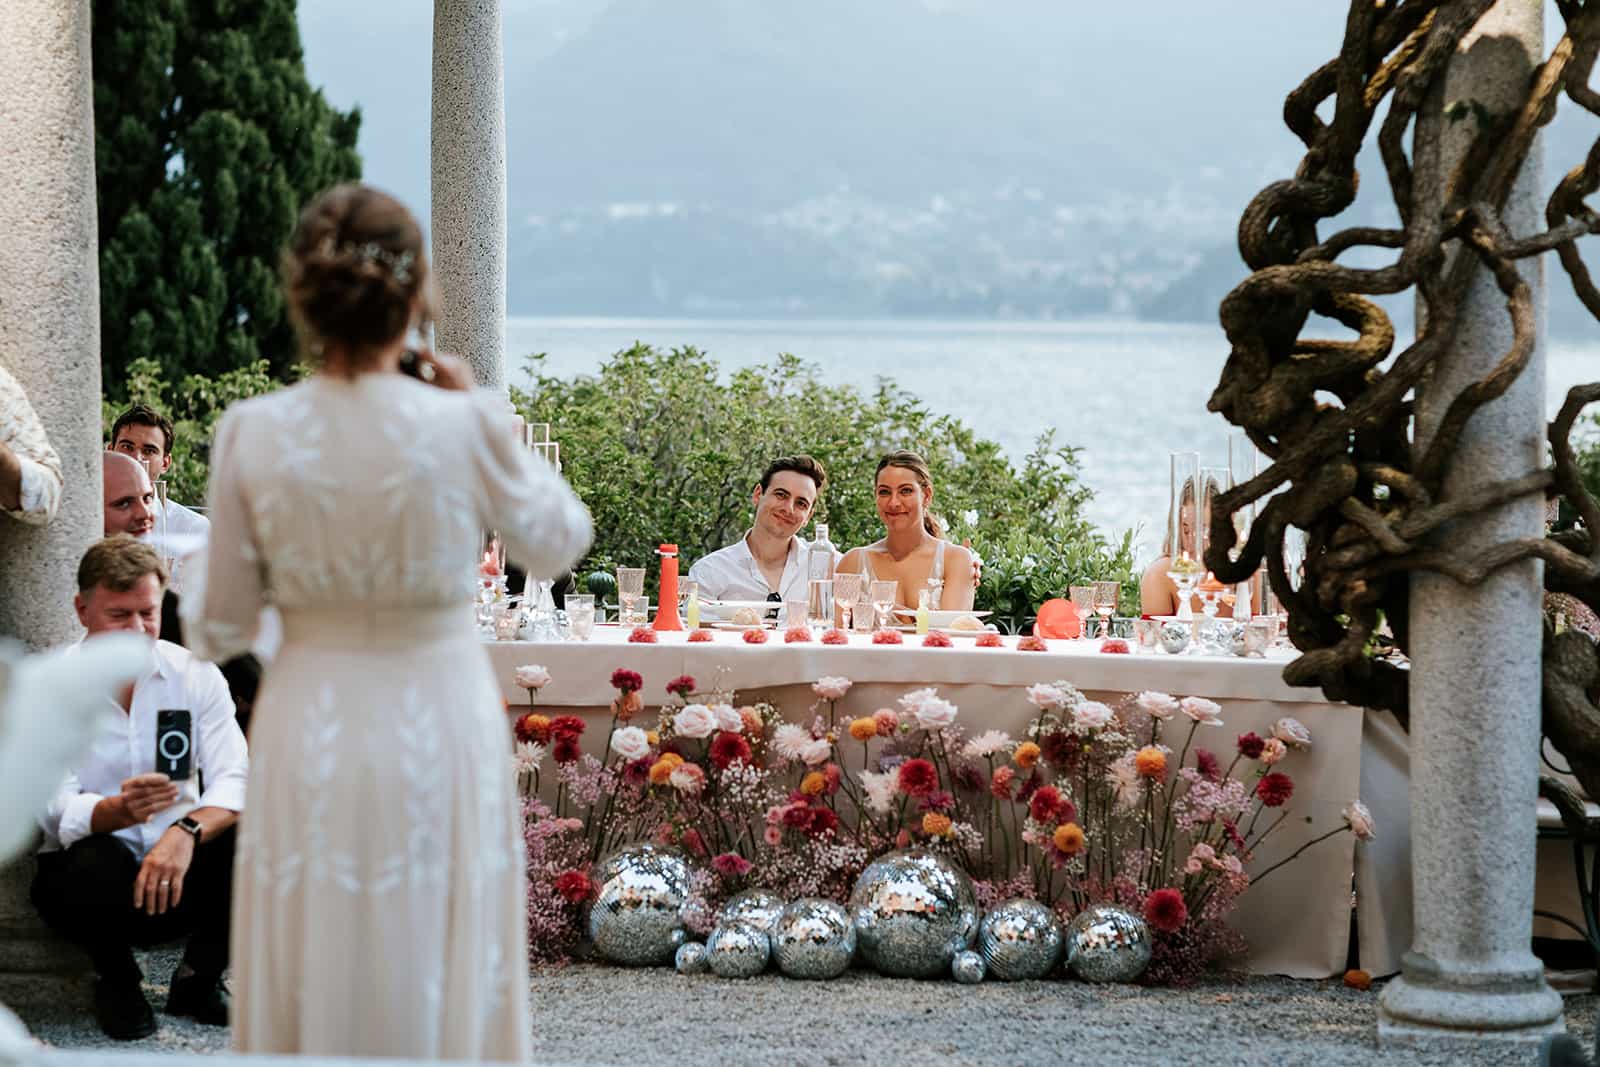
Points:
(691, 958)
(637, 916)
(759, 906)
(967, 968)
(814, 938)
(1020, 940)
(913, 911)
(1108, 944)
(738, 949)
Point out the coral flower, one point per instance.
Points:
(887, 637)
(1068, 838)
(752, 720)
(1273, 750)
(836, 637)
(1026, 755)
(935, 824)
(1251, 744)
(918, 778)
(698, 636)
(1000, 784)
(755, 637)
(988, 639)
(681, 686)
(729, 748)
(627, 705)
(1165, 910)
(1275, 789)
(831, 777)
(661, 770)
(887, 720)
(626, 680)
(1032, 643)
(687, 778)
(797, 635)
(863, 729)
(813, 784)
(731, 864)
(535, 728)
(574, 886)
(935, 639)
(642, 635)
(1151, 762)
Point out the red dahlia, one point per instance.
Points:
(626, 680)
(1207, 765)
(1165, 910)
(1048, 805)
(575, 886)
(822, 821)
(566, 727)
(566, 750)
(797, 816)
(1251, 745)
(1275, 789)
(682, 685)
(918, 778)
(728, 749)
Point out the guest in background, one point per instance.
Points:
(30, 470)
(128, 498)
(769, 561)
(147, 436)
(913, 551)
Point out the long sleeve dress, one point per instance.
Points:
(379, 900)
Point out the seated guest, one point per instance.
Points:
(30, 470)
(129, 498)
(147, 436)
(769, 561)
(1157, 594)
(913, 551)
(132, 857)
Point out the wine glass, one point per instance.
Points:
(846, 591)
(630, 590)
(1082, 597)
(882, 595)
(1106, 595)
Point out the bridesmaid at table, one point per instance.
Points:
(913, 551)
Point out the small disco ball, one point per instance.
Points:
(637, 916)
(968, 967)
(1108, 944)
(814, 938)
(1175, 636)
(1020, 940)
(913, 911)
(757, 906)
(691, 958)
(738, 949)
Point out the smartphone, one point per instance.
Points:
(418, 339)
(174, 743)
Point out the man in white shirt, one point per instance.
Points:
(147, 436)
(769, 561)
(132, 857)
(30, 470)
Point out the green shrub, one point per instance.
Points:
(662, 448)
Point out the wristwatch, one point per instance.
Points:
(192, 826)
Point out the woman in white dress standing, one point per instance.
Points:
(379, 903)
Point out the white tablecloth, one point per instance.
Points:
(1297, 922)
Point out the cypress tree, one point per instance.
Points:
(208, 139)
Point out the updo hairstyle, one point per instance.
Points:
(354, 269)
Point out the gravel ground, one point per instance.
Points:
(591, 1014)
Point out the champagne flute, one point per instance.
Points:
(1082, 597)
(846, 591)
(1106, 595)
(882, 595)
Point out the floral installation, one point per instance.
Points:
(935, 639)
(835, 636)
(989, 639)
(797, 635)
(698, 636)
(642, 635)
(1151, 805)
(887, 637)
(755, 637)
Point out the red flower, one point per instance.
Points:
(694, 842)
(533, 727)
(1207, 765)
(1234, 837)
(968, 778)
(1114, 645)
(822, 821)
(935, 639)
(886, 637)
(918, 777)
(566, 750)
(1000, 784)
(731, 865)
(796, 635)
(729, 748)
(1032, 643)
(566, 727)
(836, 637)
(1029, 787)
(755, 637)
(626, 680)
(1060, 748)
(1251, 745)
(642, 635)
(1165, 910)
(697, 636)
(988, 639)
(638, 771)
(575, 886)
(938, 800)
(1275, 789)
(831, 776)
(797, 817)
(681, 686)
(1048, 805)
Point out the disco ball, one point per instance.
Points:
(1019, 940)
(691, 958)
(913, 911)
(637, 919)
(757, 906)
(814, 938)
(968, 967)
(738, 949)
(1108, 944)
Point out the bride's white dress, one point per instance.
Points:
(379, 904)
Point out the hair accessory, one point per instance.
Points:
(399, 264)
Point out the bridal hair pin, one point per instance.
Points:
(399, 264)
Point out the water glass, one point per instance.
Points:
(1082, 597)
(861, 620)
(630, 590)
(819, 602)
(882, 595)
(796, 614)
(846, 591)
(580, 615)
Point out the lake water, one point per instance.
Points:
(1126, 393)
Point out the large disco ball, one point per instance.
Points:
(1019, 940)
(1108, 944)
(757, 906)
(738, 949)
(814, 938)
(637, 919)
(913, 911)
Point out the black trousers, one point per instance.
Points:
(85, 894)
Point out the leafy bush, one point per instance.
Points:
(662, 449)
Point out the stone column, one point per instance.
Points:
(469, 184)
(1475, 678)
(50, 298)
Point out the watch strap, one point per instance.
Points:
(192, 825)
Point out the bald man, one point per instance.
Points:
(130, 499)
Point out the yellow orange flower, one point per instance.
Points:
(652, 736)
(936, 824)
(1026, 755)
(1150, 762)
(863, 729)
(1069, 838)
(813, 784)
(627, 705)
(752, 721)
(661, 770)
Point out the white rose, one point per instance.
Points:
(531, 676)
(630, 743)
(1203, 711)
(816, 752)
(1156, 705)
(935, 714)
(1091, 715)
(695, 720)
(831, 688)
(1360, 820)
(913, 699)
(1292, 732)
(1046, 696)
(727, 717)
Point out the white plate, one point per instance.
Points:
(939, 620)
(724, 609)
(739, 626)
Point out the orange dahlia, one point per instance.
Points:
(1026, 755)
(935, 824)
(1068, 838)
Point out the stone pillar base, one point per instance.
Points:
(1424, 1006)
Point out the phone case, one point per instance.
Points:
(174, 743)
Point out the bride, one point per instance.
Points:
(379, 904)
(912, 552)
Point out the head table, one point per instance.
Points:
(1297, 922)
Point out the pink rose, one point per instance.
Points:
(1292, 732)
(1360, 820)
(1273, 750)
(1091, 715)
(630, 743)
(1203, 711)
(728, 718)
(1046, 696)
(831, 688)
(1156, 705)
(531, 676)
(695, 720)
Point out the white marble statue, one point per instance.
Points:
(49, 707)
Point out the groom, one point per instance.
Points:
(769, 561)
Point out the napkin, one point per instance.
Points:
(1058, 618)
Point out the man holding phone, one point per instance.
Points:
(135, 852)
